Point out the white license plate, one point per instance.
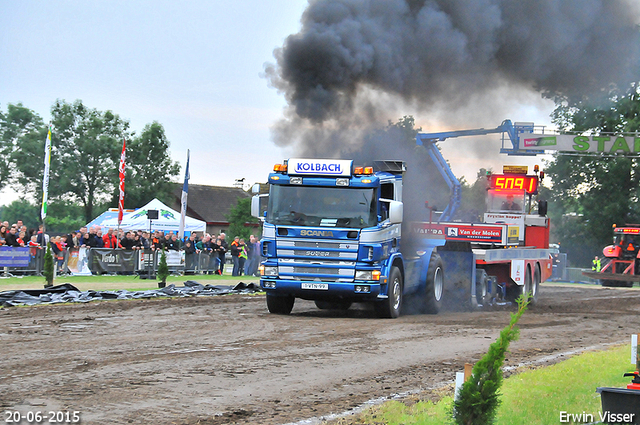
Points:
(321, 286)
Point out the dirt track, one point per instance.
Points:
(226, 360)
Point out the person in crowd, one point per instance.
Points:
(251, 267)
(174, 243)
(221, 251)
(234, 249)
(98, 238)
(34, 246)
(242, 256)
(145, 240)
(110, 240)
(58, 252)
(137, 241)
(43, 238)
(3, 231)
(224, 247)
(206, 247)
(190, 254)
(21, 239)
(157, 242)
(128, 242)
(11, 239)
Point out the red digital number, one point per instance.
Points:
(527, 183)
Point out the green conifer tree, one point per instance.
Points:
(163, 269)
(479, 397)
(48, 267)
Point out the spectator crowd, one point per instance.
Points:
(245, 256)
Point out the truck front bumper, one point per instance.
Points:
(318, 290)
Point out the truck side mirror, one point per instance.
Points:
(396, 210)
(542, 208)
(255, 206)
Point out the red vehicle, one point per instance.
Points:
(621, 265)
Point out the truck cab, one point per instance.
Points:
(331, 233)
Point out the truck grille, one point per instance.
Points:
(316, 260)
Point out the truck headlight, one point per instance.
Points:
(268, 271)
(367, 275)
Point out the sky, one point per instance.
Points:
(195, 67)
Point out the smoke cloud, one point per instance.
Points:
(356, 63)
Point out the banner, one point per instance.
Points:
(582, 144)
(78, 262)
(45, 179)
(185, 193)
(121, 172)
(107, 260)
(14, 256)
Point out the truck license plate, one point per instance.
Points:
(322, 286)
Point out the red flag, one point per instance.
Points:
(121, 170)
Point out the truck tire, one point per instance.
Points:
(514, 292)
(390, 308)
(333, 305)
(535, 285)
(434, 287)
(481, 296)
(280, 305)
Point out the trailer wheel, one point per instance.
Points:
(390, 307)
(333, 305)
(516, 291)
(481, 295)
(535, 286)
(280, 305)
(434, 288)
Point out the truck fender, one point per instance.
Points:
(611, 251)
(394, 259)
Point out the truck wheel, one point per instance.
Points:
(390, 307)
(280, 305)
(516, 291)
(535, 286)
(333, 305)
(480, 297)
(434, 288)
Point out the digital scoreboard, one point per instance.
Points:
(514, 182)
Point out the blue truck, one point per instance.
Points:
(333, 233)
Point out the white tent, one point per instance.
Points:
(168, 220)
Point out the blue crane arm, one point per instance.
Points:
(429, 141)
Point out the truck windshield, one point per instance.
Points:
(322, 206)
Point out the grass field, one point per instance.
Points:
(536, 396)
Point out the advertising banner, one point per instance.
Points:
(106, 260)
(14, 256)
(610, 144)
(78, 262)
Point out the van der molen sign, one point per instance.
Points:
(583, 144)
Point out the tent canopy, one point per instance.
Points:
(168, 220)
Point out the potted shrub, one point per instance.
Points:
(163, 270)
(48, 268)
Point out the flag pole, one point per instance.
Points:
(45, 179)
(121, 175)
(185, 193)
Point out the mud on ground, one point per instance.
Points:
(226, 360)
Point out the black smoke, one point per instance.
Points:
(357, 65)
(354, 63)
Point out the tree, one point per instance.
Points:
(21, 210)
(163, 269)
(86, 147)
(591, 193)
(238, 217)
(19, 127)
(48, 269)
(479, 397)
